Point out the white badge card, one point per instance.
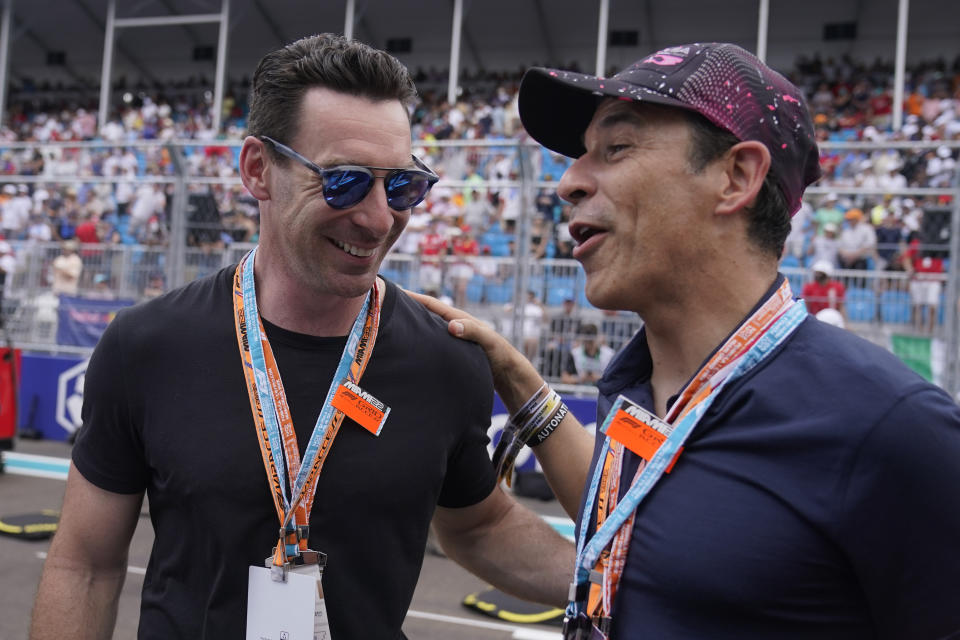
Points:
(291, 610)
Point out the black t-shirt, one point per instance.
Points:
(166, 410)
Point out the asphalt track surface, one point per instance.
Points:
(436, 612)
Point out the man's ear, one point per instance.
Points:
(254, 167)
(745, 167)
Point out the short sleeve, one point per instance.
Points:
(470, 474)
(109, 451)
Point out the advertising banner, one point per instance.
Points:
(82, 320)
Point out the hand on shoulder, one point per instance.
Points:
(514, 377)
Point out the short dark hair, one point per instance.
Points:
(769, 223)
(327, 60)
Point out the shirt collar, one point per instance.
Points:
(633, 364)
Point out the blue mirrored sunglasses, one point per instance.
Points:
(346, 185)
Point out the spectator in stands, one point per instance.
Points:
(893, 180)
(825, 247)
(434, 248)
(102, 288)
(464, 250)
(858, 241)
(9, 220)
(823, 292)
(148, 202)
(565, 323)
(890, 243)
(16, 211)
(591, 356)
(88, 232)
(939, 167)
(548, 204)
(8, 265)
(531, 324)
(477, 211)
(877, 212)
(66, 217)
(443, 207)
(618, 327)
(39, 228)
(419, 224)
(155, 286)
(822, 100)
(926, 285)
(66, 269)
(564, 328)
(558, 365)
(828, 212)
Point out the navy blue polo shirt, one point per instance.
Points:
(815, 499)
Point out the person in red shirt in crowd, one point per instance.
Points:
(880, 107)
(88, 231)
(824, 292)
(433, 246)
(465, 249)
(924, 267)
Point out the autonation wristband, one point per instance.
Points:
(531, 424)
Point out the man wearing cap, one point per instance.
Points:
(858, 241)
(16, 212)
(825, 247)
(823, 292)
(66, 269)
(756, 473)
(828, 213)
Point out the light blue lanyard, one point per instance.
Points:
(262, 384)
(588, 551)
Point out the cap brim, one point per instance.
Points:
(556, 107)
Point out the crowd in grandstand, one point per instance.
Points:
(474, 211)
(849, 102)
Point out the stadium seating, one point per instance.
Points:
(895, 307)
(861, 304)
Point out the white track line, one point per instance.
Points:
(27, 464)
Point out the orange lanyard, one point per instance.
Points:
(701, 387)
(271, 413)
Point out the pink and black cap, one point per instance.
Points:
(722, 82)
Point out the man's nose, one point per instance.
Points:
(577, 183)
(373, 213)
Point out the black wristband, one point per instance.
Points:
(550, 427)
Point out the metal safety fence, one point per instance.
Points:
(501, 193)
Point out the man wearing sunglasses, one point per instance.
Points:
(293, 417)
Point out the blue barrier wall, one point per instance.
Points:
(51, 392)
